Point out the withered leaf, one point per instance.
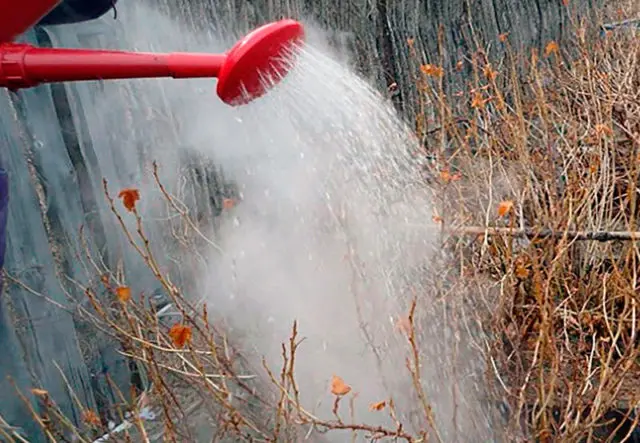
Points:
(339, 387)
(129, 198)
(603, 130)
(504, 207)
(123, 293)
(91, 418)
(478, 101)
(551, 48)
(228, 203)
(489, 72)
(521, 271)
(432, 70)
(180, 334)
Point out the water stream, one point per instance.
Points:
(332, 228)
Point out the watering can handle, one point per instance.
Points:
(18, 16)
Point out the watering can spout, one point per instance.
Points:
(25, 66)
(240, 72)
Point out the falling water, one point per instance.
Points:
(332, 227)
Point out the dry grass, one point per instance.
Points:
(194, 378)
(536, 183)
(541, 171)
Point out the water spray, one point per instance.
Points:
(242, 71)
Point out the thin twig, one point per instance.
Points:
(600, 236)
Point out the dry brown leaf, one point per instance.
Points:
(339, 387)
(123, 293)
(489, 72)
(411, 41)
(503, 37)
(129, 198)
(378, 406)
(91, 418)
(505, 207)
(478, 101)
(432, 70)
(522, 271)
(603, 130)
(446, 175)
(180, 334)
(551, 48)
(228, 203)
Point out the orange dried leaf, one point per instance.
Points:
(129, 198)
(123, 293)
(228, 203)
(522, 271)
(603, 130)
(503, 37)
(459, 65)
(411, 41)
(551, 48)
(378, 406)
(180, 334)
(339, 387)
(432, 70)
(446, 175)
(91, 418)
(437, 219)
(39, 392)
(490, 73)
(478, 101)
(505, 207)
